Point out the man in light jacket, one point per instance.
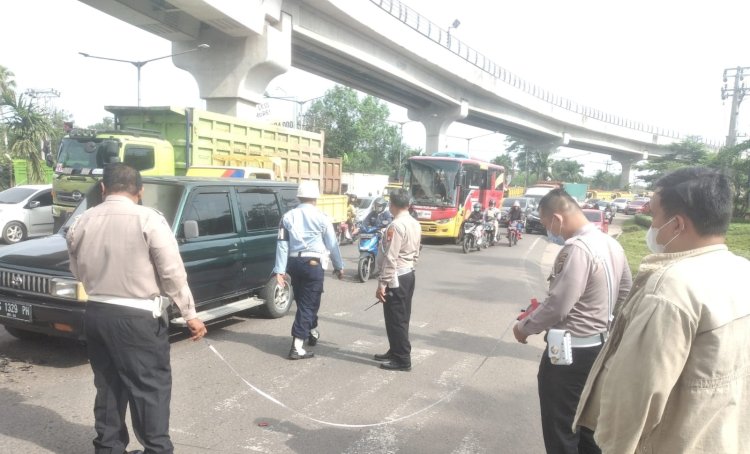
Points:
(674, 376)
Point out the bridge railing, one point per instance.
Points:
(439, 35)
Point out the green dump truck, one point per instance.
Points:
(169, 140)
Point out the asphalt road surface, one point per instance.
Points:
(472, 388)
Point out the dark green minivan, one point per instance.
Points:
(226, 230)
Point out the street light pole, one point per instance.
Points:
(737, 93)
(141, 63)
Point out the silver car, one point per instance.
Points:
(26, 211)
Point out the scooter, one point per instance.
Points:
(489, 234)
(514, 229)
(473, 236)
(345, 235)
(369, 240)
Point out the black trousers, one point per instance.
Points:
(397, 312)
(560, 389)
(307, 282)
(129, 353)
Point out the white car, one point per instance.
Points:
(26, 211)
(621, 204)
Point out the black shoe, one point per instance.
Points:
(387, 356)
(137, 451)
(393, 365)
(294, 354)
(312, 339)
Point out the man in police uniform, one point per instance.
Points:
(396, 259)
(305, 236)
(126, 256)
(590, 276)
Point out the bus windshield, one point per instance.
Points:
(433, 182)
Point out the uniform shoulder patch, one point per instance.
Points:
(389, 233)
(560, 261)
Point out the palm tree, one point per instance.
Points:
(567, 170)
(27, 126)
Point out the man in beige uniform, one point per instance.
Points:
(590, 276)
(126, 255)
(674, 376)
(398, 254)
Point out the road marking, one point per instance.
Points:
(469, 445)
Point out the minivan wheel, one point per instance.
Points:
(277, 299)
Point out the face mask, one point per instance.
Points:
(651, 242)
(556, 239)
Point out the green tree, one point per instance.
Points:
(689, 152)
(605, 180)
(107, 124)
(356, 130)
(735, 163)
(27, 125)
(531, 158)
(567, 170)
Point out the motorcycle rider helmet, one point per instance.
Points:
(492, 203)
(379, 205)
(477, 207)
(516, 204)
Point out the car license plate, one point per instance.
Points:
(366, 236)
(15, 311)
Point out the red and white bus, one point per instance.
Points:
(444, 186)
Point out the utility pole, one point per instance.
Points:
(737, 93)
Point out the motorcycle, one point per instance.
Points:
(369, 241)
(489, 234)
(514, 229)
(610, 213)
(347, 235)
(473, 236)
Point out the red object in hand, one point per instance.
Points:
(532, 307)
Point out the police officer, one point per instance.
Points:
(126, 256)
(396, 260)
(305, 233)
(590, 276)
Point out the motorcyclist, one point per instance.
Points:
(379, 217)
(476, 215)
(351, 217)
(516, 214)
(491, 215)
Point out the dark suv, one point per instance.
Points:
(226, 230)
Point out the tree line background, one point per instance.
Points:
(358, 131)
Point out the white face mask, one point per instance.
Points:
(651, 242)
(557, 239)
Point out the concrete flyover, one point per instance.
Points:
(380, 47)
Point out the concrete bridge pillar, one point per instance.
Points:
(234, 72)
(436, 121)
(627, 166)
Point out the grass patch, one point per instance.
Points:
(633, 241)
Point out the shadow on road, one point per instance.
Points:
(41, 426)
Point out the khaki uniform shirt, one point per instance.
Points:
(674, 376)
(119, 248)
(579, 296)
(399, 248)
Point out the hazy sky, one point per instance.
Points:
(657, 62)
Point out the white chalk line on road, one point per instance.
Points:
(359, 426)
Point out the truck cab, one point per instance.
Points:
(84, 153)
(227, 233)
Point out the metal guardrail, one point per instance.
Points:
(435, 33)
